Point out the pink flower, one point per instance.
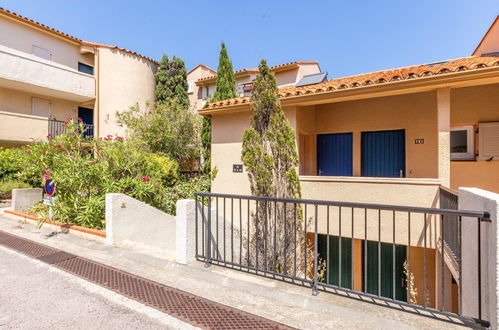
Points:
(69, 118)
(65, 123)
(146, 179)
(119, 138)
(46, 175)
(79, 119)
(59, 145)
(28, 152)
(49, 136)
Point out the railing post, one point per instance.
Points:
(208, 235)
(316, 255)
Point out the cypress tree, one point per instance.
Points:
(225, 89)
(270, 156)
(226, 81)
(171, 82)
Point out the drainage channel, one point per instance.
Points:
(182, 305)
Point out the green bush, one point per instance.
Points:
(10, 162)
(7, 186)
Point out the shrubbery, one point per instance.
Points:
(85, 169)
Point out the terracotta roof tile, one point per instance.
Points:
(376, 78)
(255, 70)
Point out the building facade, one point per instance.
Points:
(47, 76)
(403, 137)
(287, 74)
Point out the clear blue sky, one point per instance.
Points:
(346, 37)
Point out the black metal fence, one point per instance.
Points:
(452, 230)
(384, 252)
(58, 127)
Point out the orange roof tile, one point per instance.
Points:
(375, 78)
(66, 36)
(202, 66)
(280, 67)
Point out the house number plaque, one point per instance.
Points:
(237, 168)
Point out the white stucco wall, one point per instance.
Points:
(132, 223)
(124, 80)
(475, 199)
(28, 72)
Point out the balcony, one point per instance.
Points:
(29, 73)
(21, 128)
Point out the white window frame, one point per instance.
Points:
(470, 141)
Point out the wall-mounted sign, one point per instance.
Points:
(419, 141)
(237, 168)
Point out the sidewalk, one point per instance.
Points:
(284, 303)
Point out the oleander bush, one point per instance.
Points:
(85, 169)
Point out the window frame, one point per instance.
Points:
(470, 143)
(88, 65)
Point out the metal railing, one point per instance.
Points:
(452, 231)
(58, 127)
(387, 253)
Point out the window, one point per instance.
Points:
(85, 68)
(191, 87)
(462, 143)
(40, 107)
(41, 52)
(488, 139)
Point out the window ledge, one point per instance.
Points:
(355, 179)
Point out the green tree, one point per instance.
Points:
(225, 89)
(270, 156)
(171, 82)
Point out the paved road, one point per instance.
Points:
(34, 296)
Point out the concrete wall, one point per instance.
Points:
(15, 101)
(21, 128)
(124, 80)
(22, 37)
(25, 198)
(469, 106)
(480, 200)
(31, 73)
(192, 77)
(132, 223)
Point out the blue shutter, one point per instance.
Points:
(334, 154)
(383, 153)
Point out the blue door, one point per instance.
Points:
(87, 115)
(334, 154)
(383, 154)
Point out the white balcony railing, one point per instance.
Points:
(23, 71)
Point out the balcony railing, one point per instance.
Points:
(452, 232)
(386, 253)
(58, 127)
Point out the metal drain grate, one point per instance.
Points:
(187, 307)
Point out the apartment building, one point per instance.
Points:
(47, 76)
(404, 137)
(288, 74)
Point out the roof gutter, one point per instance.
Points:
(455, 79)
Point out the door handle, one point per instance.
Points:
(321, 172)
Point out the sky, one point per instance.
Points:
(346, 37)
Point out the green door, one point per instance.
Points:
(332, 271)
(387, 279)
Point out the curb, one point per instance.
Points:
(95, 232)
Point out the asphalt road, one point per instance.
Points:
(34, 296)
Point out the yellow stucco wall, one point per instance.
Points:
(416, 113)
(124, 80)
(470, 106)
(21, 102)
(22, 37)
